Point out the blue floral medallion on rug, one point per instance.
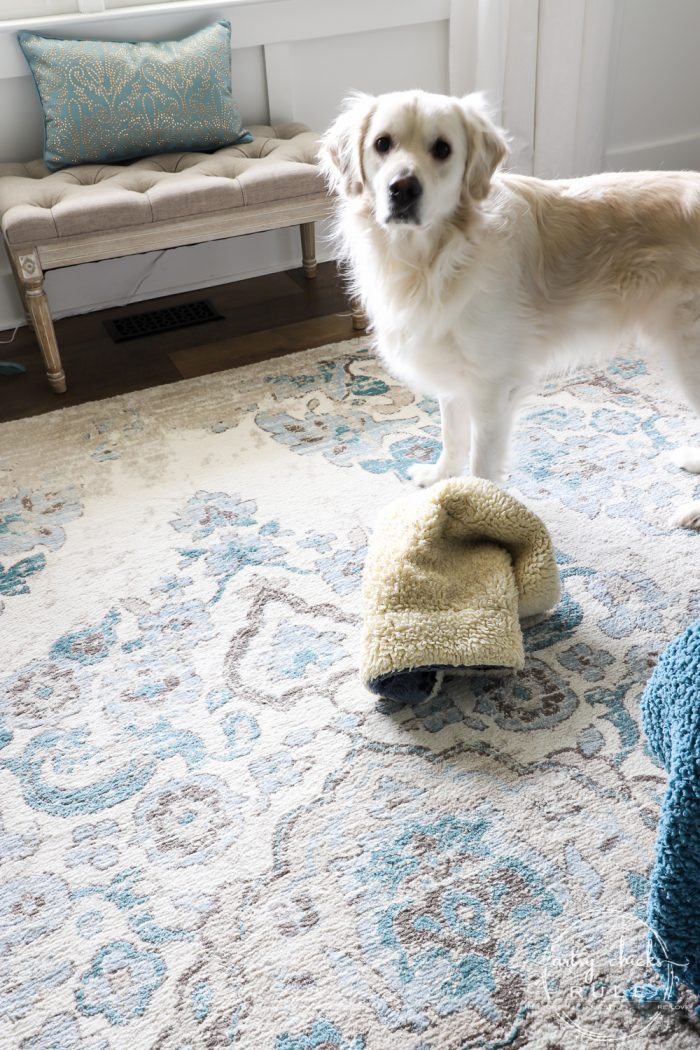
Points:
(213, 836)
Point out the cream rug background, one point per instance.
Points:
(213, 836)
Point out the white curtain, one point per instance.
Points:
(545, 67)
(493, 48)
(577, 49)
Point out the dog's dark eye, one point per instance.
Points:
(441, 149)
(383, 144)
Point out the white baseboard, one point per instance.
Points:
(676, 154)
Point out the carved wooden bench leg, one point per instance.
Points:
(359, 317)
(20, 287)
(31, 278)
(308, 248)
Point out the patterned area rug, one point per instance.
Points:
(214, 836)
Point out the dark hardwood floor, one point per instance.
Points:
(263, 317)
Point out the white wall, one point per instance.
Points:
(293, 60)
(654, 113)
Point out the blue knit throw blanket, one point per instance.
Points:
(671, 719)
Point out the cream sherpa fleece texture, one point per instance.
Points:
(449, 572)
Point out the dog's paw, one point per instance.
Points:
(687, 516)
(687, 458)
(425, 474)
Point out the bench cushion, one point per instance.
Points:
(38, 206)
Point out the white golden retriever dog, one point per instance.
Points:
(477, 282)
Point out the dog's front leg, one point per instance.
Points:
(493, 412)
(456, 429)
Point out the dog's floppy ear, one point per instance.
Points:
(340, 153)
(487, 146)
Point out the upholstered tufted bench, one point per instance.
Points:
(95, 211)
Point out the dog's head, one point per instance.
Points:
(416, 157)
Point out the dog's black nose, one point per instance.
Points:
(404, 193)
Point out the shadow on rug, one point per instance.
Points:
(214, 836)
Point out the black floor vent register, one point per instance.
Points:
(153, 322)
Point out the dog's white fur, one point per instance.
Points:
(491, 279)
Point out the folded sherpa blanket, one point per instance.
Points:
(449, 571)
(671, 720)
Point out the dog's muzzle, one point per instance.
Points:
(404, 194)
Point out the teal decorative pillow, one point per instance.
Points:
(109, 101)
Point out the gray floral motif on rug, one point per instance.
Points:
(213, 836)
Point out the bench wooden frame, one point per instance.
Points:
(30, 262)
